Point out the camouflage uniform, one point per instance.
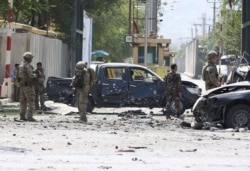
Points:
(209, 72)
(173, 90)
(39, 88)
(25, 78)
(82, 82)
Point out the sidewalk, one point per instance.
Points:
(4, 101)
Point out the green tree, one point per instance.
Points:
(110, 21)
(231, 37)
(109, 30)
(38, 13)
(228, 30)
(4, 10)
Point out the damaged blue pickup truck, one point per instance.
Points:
(123, 85)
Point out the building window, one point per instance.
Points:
(166, 61)
(152, 56)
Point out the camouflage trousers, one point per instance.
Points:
(16, 92)
(169, 99)
(26, 99)
(39, 96)
(82, 101)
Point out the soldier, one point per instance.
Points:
(82, 82)
(25, 79)
(39, 86)
(209, 71)
(173, 90)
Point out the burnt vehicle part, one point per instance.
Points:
(240, 70)
(59, 90)
(129, 85)
(241, 73)
(227, 105)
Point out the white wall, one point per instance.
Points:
(53, 54)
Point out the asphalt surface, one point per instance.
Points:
(121, 139)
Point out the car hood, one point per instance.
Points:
(227, 88)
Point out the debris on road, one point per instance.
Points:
(192, 150)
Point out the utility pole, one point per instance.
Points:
(203, 25)
(214, 16)
(129, 18)
(196, 30)
(146, 34)
(5, 89)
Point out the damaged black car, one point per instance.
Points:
(228, 105)
(123, 85)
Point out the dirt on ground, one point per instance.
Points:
(118, 140)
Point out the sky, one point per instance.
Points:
(178, 23)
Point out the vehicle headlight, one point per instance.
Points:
(198, 103)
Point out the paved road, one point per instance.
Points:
(111, 142)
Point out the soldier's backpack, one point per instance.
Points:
(86, 76)
(79, 80)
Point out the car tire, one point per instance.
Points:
(182, 107)
(238, 116)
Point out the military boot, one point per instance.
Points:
(31, 119)
(167, 113)
(83, 119)
(23, 118)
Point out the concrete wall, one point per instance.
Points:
(51, 52)
(193, 59)
(180, 61)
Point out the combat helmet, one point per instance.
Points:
(211, 54)
(80, 65)
(28, 55)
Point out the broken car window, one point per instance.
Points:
(115, 73)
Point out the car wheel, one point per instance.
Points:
(238, 116)
(173, 109)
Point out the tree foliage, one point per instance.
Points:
(57, 14)
(110, 20)
(228, 29)
(109, 30)
(98, 7)
(232, 33)
(4, 10)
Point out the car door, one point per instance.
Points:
(146, 89)
(114, 87)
